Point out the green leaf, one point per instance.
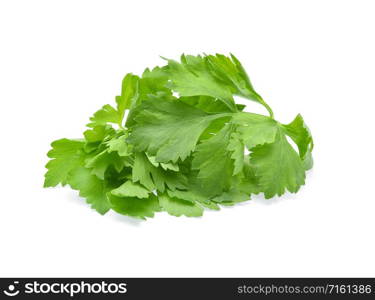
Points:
(151, 86)
(155, 177)
(107, 114)
(98, 133)
(300, 134)
(231, 197)
(177, 207)
(114, 179)
(308, 161)
(153, 82)
(192, 77)
(237, 148)
(119, 145)
(255, 129)
(66, 155)
(207, 104)
(192, 193)
(131, 189)
(169, 130)
(298, 131)
(102, 161)
(165, 166)
(278, 166)
(129, 94)
(184, 139)
(230, 71)
(135, 207)
(249, 182)
(214, 161)
(89, 187)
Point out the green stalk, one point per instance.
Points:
(269, 109)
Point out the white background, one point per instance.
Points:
(62, 60)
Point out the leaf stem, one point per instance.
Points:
(269, 109)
